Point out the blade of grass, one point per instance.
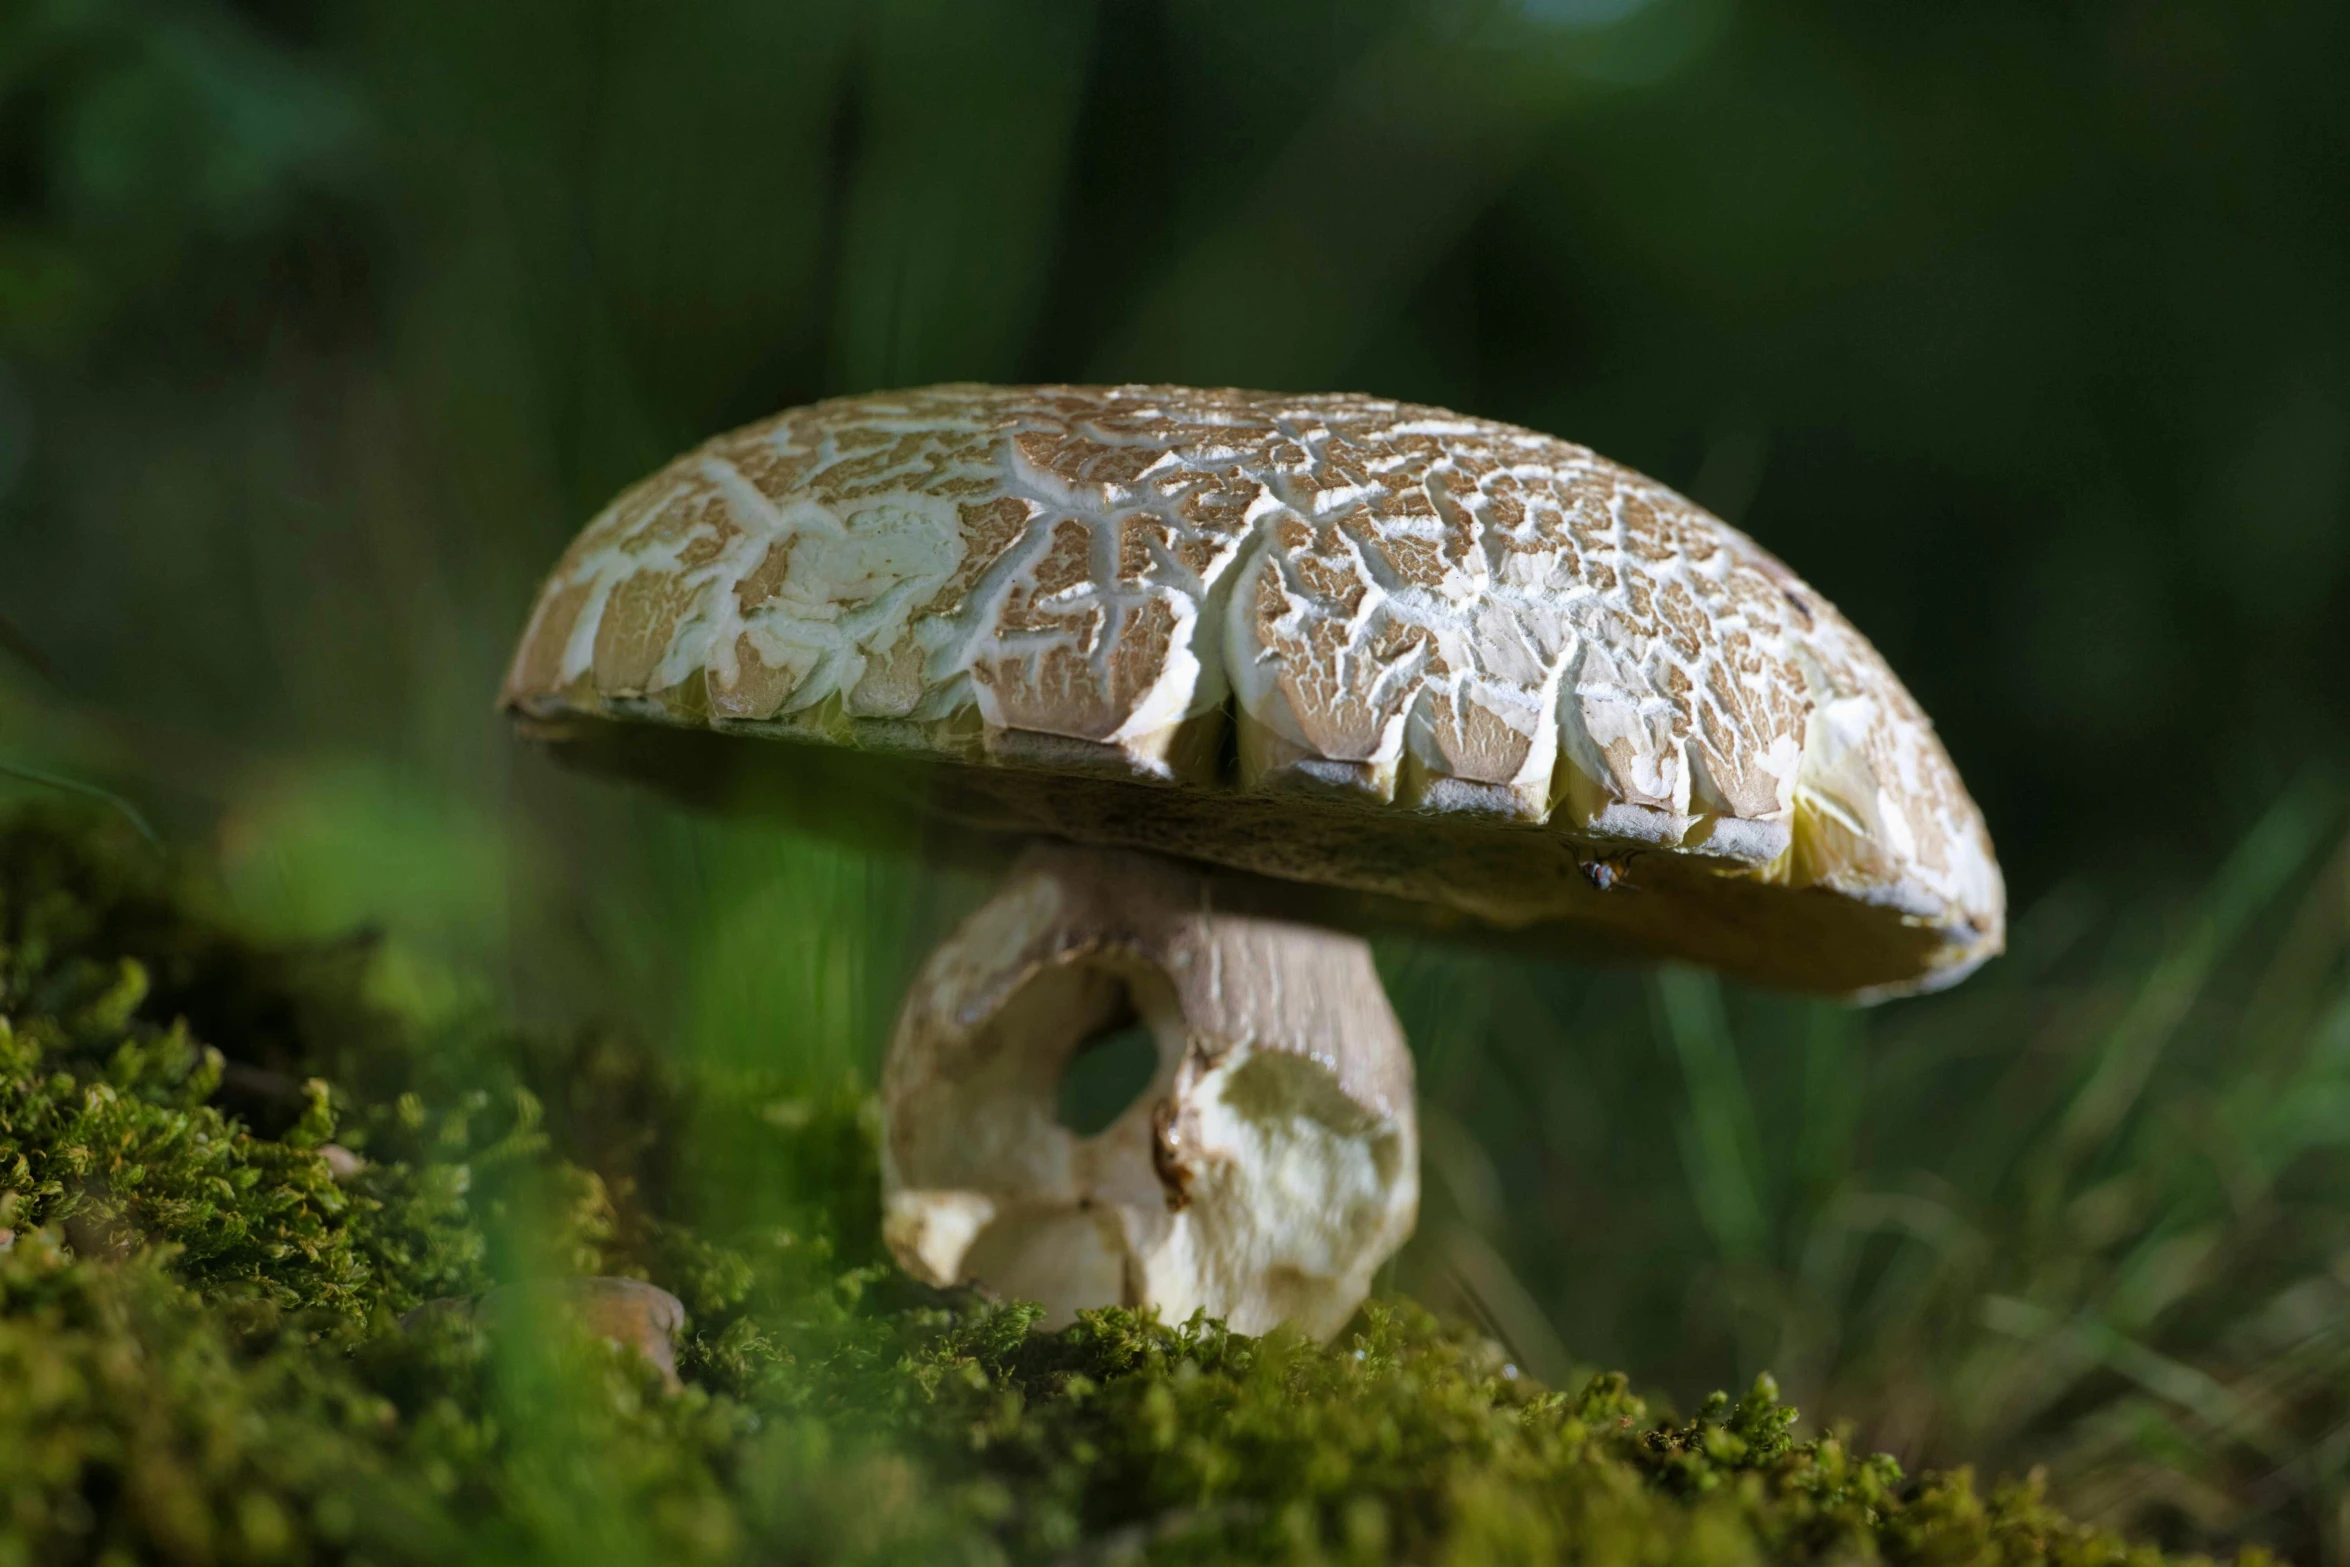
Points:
(2199, 1393)
(1720, 1147)
(2259, 869)
(130, 812)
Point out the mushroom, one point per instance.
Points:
(1335, 665)
(1267, 1168)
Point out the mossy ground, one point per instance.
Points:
(200, 1362)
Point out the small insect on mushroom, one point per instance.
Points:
(1605, 872)
(1167, 1155)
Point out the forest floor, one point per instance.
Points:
(226, 1177)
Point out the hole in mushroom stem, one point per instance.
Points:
(1111, 1069)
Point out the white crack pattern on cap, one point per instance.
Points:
(1394, 604)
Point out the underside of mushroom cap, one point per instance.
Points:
(1442, 672)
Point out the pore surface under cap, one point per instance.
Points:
(1476, 673)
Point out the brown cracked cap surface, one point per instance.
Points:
(1456, 673)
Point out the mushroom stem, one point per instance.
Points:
(1267, 1162)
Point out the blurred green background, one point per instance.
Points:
(2021, 328)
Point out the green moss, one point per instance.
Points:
(199, 1360)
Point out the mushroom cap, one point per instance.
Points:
(1428, 670)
